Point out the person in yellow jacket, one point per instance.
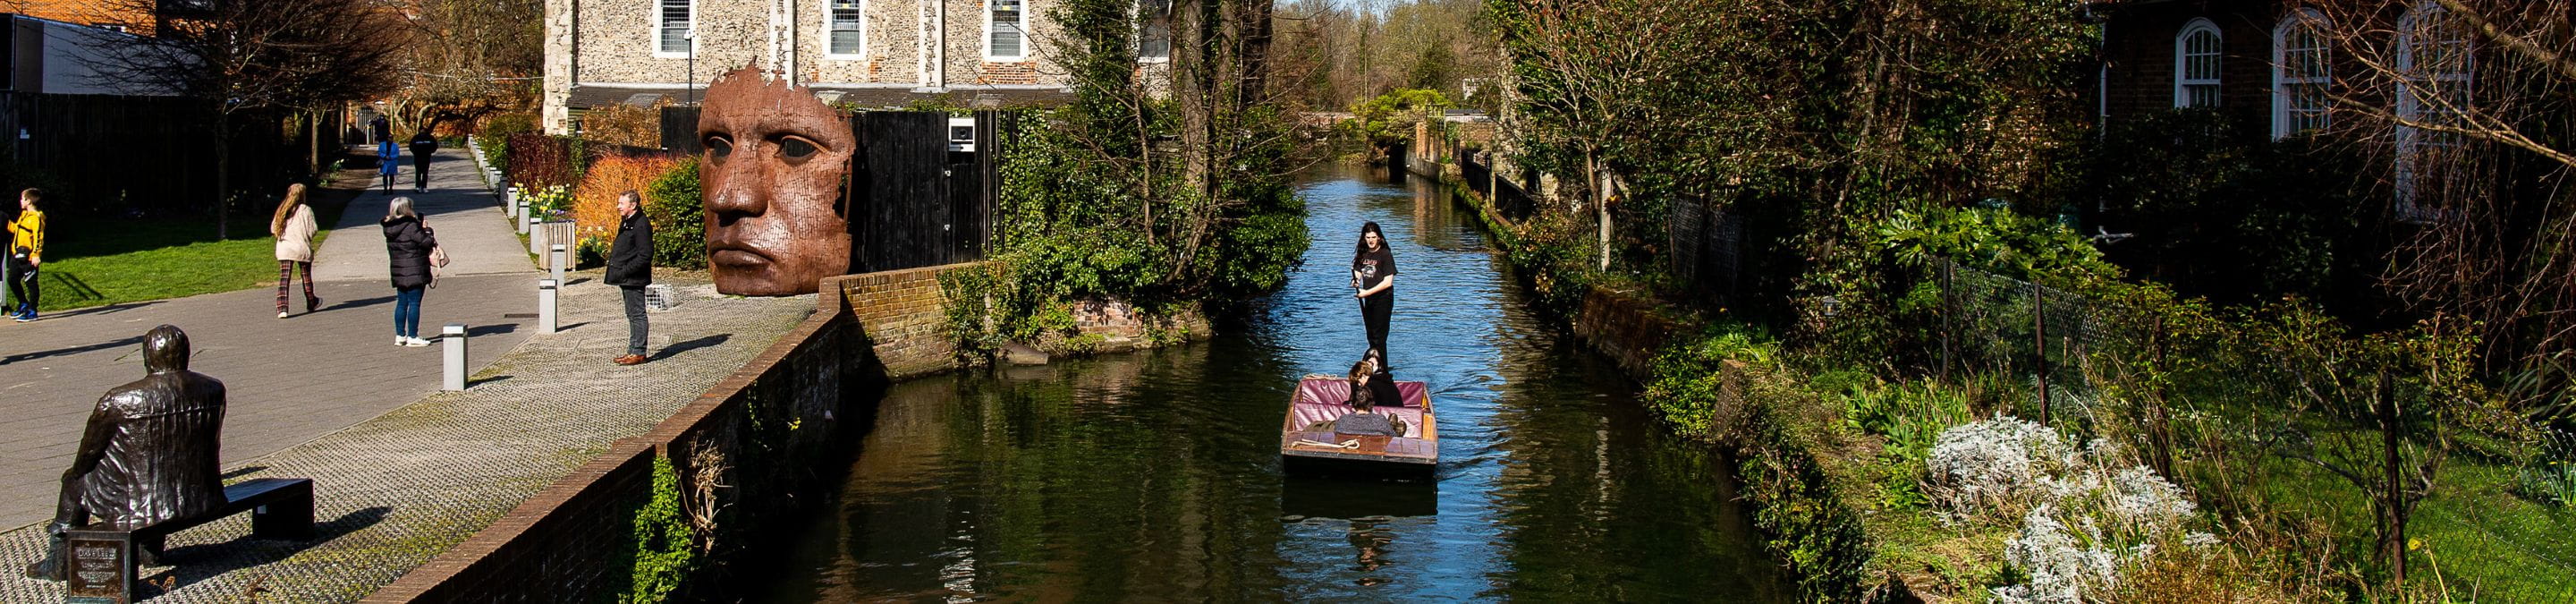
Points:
(26, 253)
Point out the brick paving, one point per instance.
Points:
(402, 471)
(398, 489)
(289, 380)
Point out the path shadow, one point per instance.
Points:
(489, 380)
(679, 347)
(136, 340)
(358, 303)
(565, 328)
(195, 563)
(242, 471)
(102, 310)
(477, 331)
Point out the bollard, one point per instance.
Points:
(524, 221)
(546, 305)
(536, 236)
(510, 203)
(454, 336)
(558, 258)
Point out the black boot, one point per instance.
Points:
(51, 567)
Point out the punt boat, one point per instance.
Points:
(1305, 449)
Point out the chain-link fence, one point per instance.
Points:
(2503, 497)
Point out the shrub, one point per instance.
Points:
(624, 124)
(677, 209)
(1993, 468)
(494, 133)
(537, 160)
(546, 203)
(594, 209)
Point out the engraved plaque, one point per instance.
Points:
(100, 569)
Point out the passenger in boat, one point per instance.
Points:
(1373, 275)
(1363, 398)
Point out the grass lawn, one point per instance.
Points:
(2476, 538)
(100, 261)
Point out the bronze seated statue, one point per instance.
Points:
(149, 455)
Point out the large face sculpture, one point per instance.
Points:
(773, 167)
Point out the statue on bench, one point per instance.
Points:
(150, 453)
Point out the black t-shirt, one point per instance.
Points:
(1374, 267)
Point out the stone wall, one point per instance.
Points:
(1626, 326)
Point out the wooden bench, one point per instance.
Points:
(101, 564)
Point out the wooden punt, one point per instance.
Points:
(1321, 398)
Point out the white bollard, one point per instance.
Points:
(510, 203)
(524, 220)
(536, 236)
(546, 305)
(454, 335)
(559, 258)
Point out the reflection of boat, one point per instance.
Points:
(1319, 497)
(1320, 399)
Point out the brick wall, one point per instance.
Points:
(752, 436)
(2139, 42)
(1625, 326)
(901, 313)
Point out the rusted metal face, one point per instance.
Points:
(775, 161)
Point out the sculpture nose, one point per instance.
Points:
(745, 187)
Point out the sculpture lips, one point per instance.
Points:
(738, 257)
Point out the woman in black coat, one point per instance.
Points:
(408, 244)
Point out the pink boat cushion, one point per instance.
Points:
(1338, 392)
(1310, 413)
(1323, 399)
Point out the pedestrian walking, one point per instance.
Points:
(388, 160)
(423, 145)
(380, 129)
(630, 268)
(26, 253)
(293, 226)
(412, 248)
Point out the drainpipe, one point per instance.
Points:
(939, 47)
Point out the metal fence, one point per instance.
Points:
(2508, 493)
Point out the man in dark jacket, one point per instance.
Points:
(422, 146)
(149, 454)
(630, 268)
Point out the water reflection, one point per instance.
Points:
(1155, 476)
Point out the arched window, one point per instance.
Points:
(2433, 66)
(2301, 69)
(2196, 65)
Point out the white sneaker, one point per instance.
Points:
(421, 342)
(281, 314)
(402, 341)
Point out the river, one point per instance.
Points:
(1155, 476)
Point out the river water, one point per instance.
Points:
(1155, 476)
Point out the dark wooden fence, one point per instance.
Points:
(910, 201)
(144, 156)
(1507, 195)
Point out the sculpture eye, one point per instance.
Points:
(796, 148)
(718, 148)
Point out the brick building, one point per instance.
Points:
(2271, 64)
(111, 15)
(871, 53)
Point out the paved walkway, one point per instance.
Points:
(289, 380)
(478, 238)
(399, 489)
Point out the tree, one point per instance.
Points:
(2470, 100)
(468, 57)
(242, 56)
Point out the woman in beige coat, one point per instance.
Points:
(293, 226)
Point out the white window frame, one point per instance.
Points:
(653, 27)
(2412, 141)
(1145, 22)
(2182, 85)
(829, 6)
(2287, 83)
(1021, 28)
